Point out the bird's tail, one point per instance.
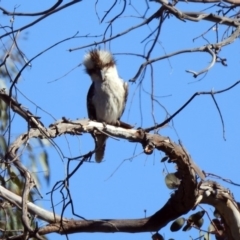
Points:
(100, 144)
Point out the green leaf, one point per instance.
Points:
(43, 159)
(44, 142)
(172, 181)
(157, 236)
(177, 224)
(187, 227)
(3, 145)
(194, 218)
(207, 236)
(164, 159)
(15, 179)
(215, 226)
(4, 119)
(199, 223)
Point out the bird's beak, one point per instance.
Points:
(102, 75)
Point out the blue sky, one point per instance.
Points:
(136, 183)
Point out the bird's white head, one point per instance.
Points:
(100, 65)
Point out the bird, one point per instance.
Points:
(107, 95)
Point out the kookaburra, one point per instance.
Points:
(107, 95)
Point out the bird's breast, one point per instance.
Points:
(109, 100)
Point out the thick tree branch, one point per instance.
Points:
(209, 192)
(193, 188)
(221, 198)
(180, 202)
(32, 208)
(187, 196)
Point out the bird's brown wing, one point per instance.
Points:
(99, 139)
(90, 106)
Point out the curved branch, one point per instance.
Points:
(114, 18)
(190, 50)
(208, 49)
(180, 203)
(186, 197)
(185, 104)
(32, 14)
(209, 193)
(221, 198)
(41, 18)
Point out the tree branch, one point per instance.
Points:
(32, 208)
(181, 201)
(188, 195)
